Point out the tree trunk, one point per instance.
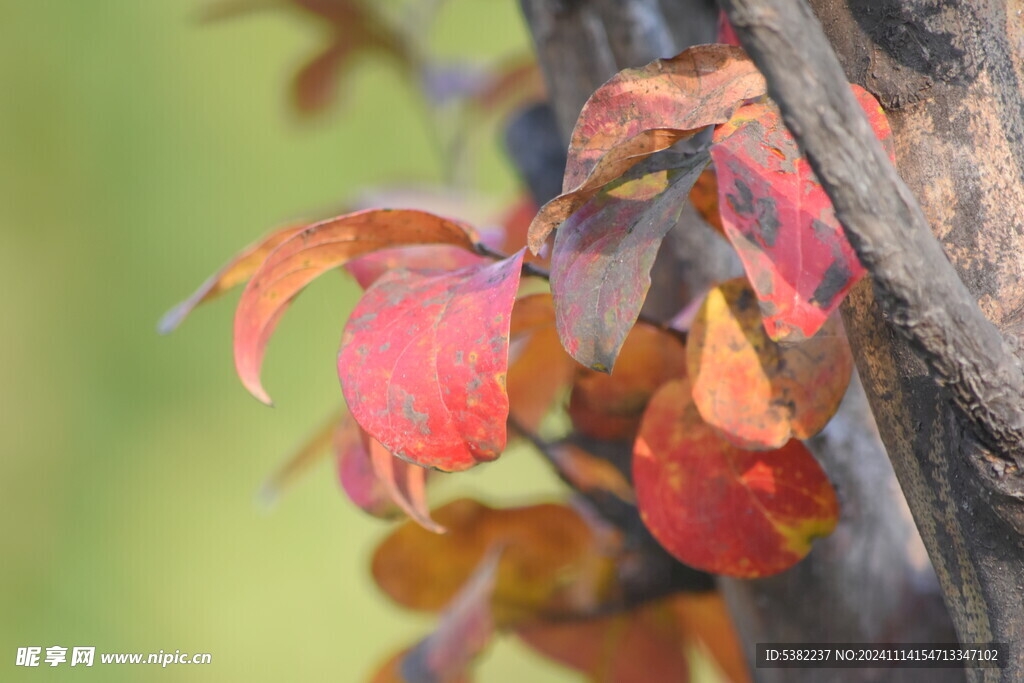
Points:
(950, 76)
(869, 582)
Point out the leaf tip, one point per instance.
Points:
(172, 319)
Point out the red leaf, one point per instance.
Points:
(405, 483)
(465, 629)
(423, 363)
(233, 273)
(315, 250)
(781, 222)
(726, 33)
(758, 393)
(642, 111)
(357, 476)
(601, 263)
(722, 509)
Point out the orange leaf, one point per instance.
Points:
(423, 363)
(640, 646)
(719, 508)
(235, 272)
(464, 630)
(642, 111)
(537, 376)
(705, 617)
(756, 392)
(315, 250)
(611, 406)
(589, 473)
(704, 197)
(552, 563)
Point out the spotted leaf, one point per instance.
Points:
(601, 262)
(781, 222)
(423, 362)
(642, 111)
(756, 392)
(723, 509)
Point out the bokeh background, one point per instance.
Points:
(138, 150)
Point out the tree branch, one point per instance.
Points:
(917, 287)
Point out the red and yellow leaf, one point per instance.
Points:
(552, 563)
(602, 259)
(642, 111)
(640, 646)
(233, 273)
(611, 406)
(423, 363)
(315, 250)
(756, 392)
(782, 222)
(720, 508)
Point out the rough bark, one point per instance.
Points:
(944, 384)
(866, 583)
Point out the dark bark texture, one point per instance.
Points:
(935, 345)
(871, 581)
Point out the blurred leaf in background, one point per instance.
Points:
(141, 148)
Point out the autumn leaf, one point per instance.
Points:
(423, 363)
(602, 259)
(552, 565)
(315, 250)
(233, 273)
(781, 221)
(539, 369)
(705, 617)
(756, 392)
(610, 406)
(719, 508)
(589, 473)
(359, 480)
(704, 197)
(464, 630)
(642, 645)
(642, 111)
(405, 483)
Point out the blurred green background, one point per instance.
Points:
(138, 150)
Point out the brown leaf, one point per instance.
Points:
(640, 646)
(552, 563)
(316, 447)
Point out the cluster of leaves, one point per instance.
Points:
(455, 343)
